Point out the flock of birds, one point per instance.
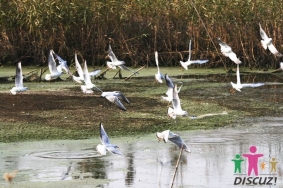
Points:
(172, 93)
(116, 97)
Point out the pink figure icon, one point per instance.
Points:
(253, 160)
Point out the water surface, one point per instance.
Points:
(147, 162)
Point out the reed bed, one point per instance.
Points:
(137, 28)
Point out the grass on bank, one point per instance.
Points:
(72, 115)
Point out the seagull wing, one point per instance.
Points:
(234, 58)
(176, 139)
(113, 149)
(238, 75)
(94, 73)
(52, 63)
(273, 50)
(169, 82)
(79, 67)
(176, 100)
(123, 67)
(253, 85)
(198, 61)
(262, 33)
(121, 96)
(103, 135)
(156, 60)
(116, 101)
(111, 54)
(86, 74)
(63, 63)
(225, 49)
(19, 75)
(158, 75)
(190, 51)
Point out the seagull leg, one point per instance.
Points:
(232, 90)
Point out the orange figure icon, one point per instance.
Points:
(262, 165)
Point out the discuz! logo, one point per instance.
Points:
(257, 172)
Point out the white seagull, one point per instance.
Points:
(176, 139)
(19, 86)
(79, 79)
(266, 42)
(170, 87)
(55, 72)
(115, 62)
(177, 109)
(63, 63)
(87, 88)
(116, 97)
(106, 145)
(238, 86)
(158, 75)
(189, 61)
(227, 51)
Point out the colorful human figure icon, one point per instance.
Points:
(262, 165)
(252, 160)
(237, 161)
(273, 163)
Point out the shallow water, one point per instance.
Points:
(147, 162)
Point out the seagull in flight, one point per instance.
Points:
(176, 139)
(19, 86)
(63, 63)
(177, 109)
(170, 87)
(116, 97)
(115, 62)
(106, 145)
(158, 75)
(55, 72)
(266, 42)
(79, 79)
(238, 86)
(189, 61)
(227, 51)
(87, 88)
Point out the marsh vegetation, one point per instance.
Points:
(135, 29)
